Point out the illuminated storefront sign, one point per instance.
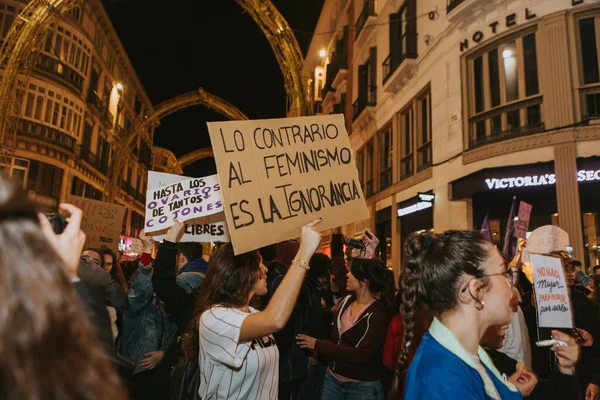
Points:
(425, 202)
(537, 180)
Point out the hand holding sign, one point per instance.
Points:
(551, 292)
(309, 240)
(175, 232)
(69, 244)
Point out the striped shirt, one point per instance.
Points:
(233, 370)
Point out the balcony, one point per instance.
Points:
(385, 179)
(365, 22)
(93, 161)
(460, 11)
(399, 68)
(95, 101)
(46, 134)
(364, 103)
(513, 133)
(54, 68)
(407, 166)
(424, 157)
(452, 4)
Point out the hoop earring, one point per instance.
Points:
(479, 304)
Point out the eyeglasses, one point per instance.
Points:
(511, 275)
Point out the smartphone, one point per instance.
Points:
(569, 250)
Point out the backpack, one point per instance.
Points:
(185, 380)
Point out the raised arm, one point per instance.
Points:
(279, 309)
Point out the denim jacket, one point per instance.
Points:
(146, 326)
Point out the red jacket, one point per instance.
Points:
(356, 354)
(393, 343)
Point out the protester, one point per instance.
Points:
(179, 303)
(191, 265)
(317, 282)
(112, 266)
(234, 341)
(516, 344)
(355, 347)
(305, 319)
(563, 383)
(147, 331)
(463, 280)
(49, 349)
(395, 339)
(91, 271)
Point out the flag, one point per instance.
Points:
(508, 251)
(486, 231)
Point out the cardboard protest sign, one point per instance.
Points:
(203, 232)
(137, 246)
(184, 200)
(101, 222)
(522, 222)
(280, 174)
(551, 292)
(370, 242)
(210, 228)
(544, 240)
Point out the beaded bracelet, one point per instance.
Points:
(301, 263)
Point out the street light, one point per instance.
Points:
(322, 53)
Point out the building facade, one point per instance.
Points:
(163, 160)
(455, 107)
(82, 96)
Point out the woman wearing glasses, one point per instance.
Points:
(464, 282)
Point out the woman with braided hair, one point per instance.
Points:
(464, 282)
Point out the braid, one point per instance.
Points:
(409, 288)
(409, 284)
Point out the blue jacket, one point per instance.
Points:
(443, 370)
(146, 327)
(192, 275)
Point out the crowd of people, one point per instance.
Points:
(285, 322)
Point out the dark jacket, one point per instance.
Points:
(338, 264)
(293, 360)
(179, 304)
(92, 298)
(146, 326)
(587, 317)
(192, 275)
(114, 295)
(557, 387)
(357, 353)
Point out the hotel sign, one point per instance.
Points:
(509, 21)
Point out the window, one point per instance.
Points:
(360, 166)
(49, 108)
(415, 135)
(407, 130)
(588, 67)
(369, 169)
(505, 98)
(403, 38)
(7, 18)
(367, 84)
(385, 157)
(18, 170)
(424, 152)
(45, 179)
(69, 48)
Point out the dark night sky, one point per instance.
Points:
(181, 45)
